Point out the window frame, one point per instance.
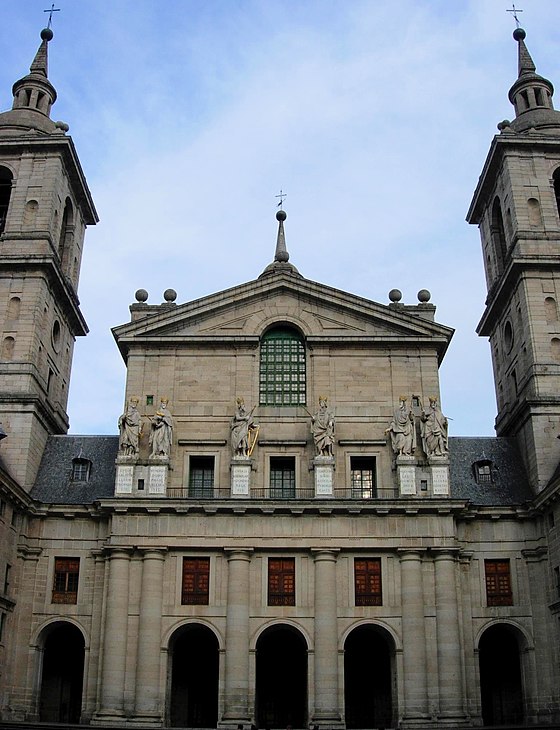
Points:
(66, 580)
(278, 371)
(372, 571)
(281, 581)
(358, 492)
(498, 582)
(291, 494)
(207, 491)
(199, 595)
(78, 464)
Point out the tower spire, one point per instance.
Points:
(35, 92)
(281, 254)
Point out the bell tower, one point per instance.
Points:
(45, 206)
(517, 208)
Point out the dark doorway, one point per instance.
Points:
(281, 678)
(194, 678)
(500, 677)
(368, 678)
(63, 675)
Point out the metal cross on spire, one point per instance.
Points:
(281, 196)
(50, 12)
(514, 10)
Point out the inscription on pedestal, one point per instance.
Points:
(440, 481)
(323, 481)
(240, 474)
(158, 478)
(407, 480)
(124, 479)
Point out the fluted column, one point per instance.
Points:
(326, 640)
(115, 636)
(149, 706)
(414, 638)
(236, 699)
(448, 638)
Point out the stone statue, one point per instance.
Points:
(403, 433)
(242, 427)
(433, 427)
(161, 435)
(130, 428)
(322, 428)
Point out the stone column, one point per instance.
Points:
(115, 637)
(414, 639)
(149, 705)
(448, 639)
(236, 698)
(326, 640)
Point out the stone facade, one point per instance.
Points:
(217, 564)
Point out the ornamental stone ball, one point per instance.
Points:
(170, 295)
(141, 296)
(395, 295)
(424, 296)
(62, 125)
(519, 34)
(47, 34)
(281, 215)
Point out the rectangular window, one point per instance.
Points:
(66, 578)
(281, 582)
(7, 579)
(201, 476)
(362, 477)
(2, 508)
(282, 368)
(282, 477)
(196, 582)
(2, 624)
(367, 582)
(498, 583)
(557, 579)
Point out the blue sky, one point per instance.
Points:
(189, 116)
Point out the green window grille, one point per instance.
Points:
(282, 369)
(201, 476)
(282, 477)
(362, 473)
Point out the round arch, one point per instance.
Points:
(193, 675)
(253, 640)
(370, 676)
(397, 643)
(515, 627)
(43, 630)
(62, 650)
(281, 689)
(172, 630)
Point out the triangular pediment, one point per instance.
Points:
(246, 311)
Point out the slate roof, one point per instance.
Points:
(510, 484)
(54, 481)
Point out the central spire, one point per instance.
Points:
(281, 264)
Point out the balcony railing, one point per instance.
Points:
(277, 494)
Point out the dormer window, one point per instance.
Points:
(81, 470)
(483, 471)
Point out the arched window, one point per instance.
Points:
(14, 306)
(556, 181)
(66, 233)
(498, 234)
(8, 348)
(282, 368)
(5, 193)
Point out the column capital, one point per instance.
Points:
(445, 553)
(154, 553)
(241, 553)
(123, 552)
(411, 553)
(328, 554)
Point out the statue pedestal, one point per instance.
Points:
(439, 466)
(406, 475)
(135, 479)
(240, 477)
(324, 476)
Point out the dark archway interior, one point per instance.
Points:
(63, 675)
(281, 679)
(368, 679)
(500, 677)
(194, 678)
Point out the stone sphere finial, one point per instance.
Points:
(141, 296)
(47, 34)
(424, 296)
(395, 295)
(281, 215)
(62, 125)
(519, 34)
(170, 295)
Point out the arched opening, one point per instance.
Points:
(8, 345)
(281, 687)
(5, 194)
(501, 689)
(556, 183)
(369, 678)
(194, 662)
(498, 234)
(66, 235)
(63, 674)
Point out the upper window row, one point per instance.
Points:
(282, 380)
